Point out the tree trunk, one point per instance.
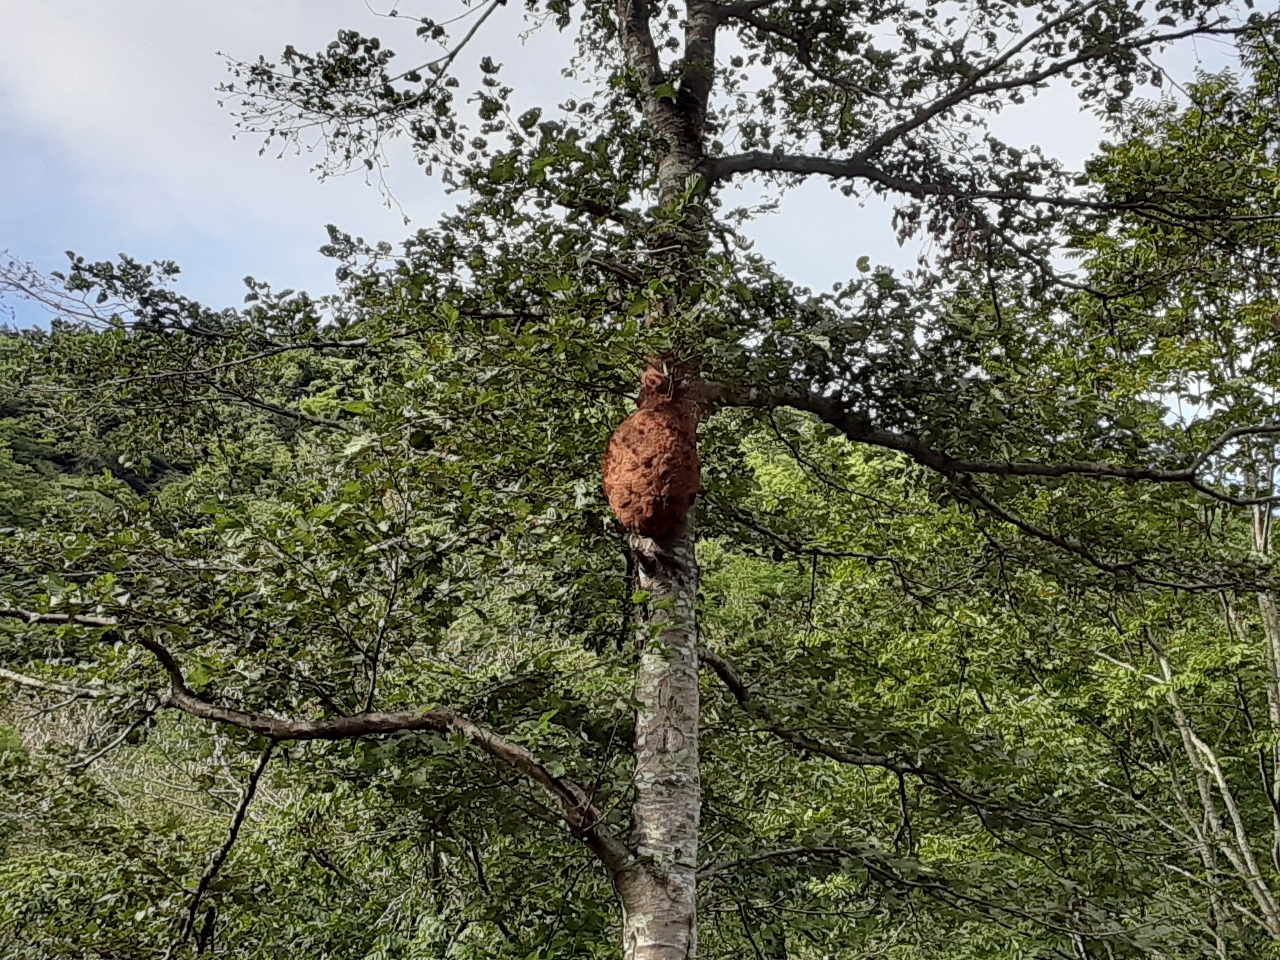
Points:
(1270, 615)
(659, 890)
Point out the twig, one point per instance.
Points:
(88, 761)
(78, 693)
(219, 858)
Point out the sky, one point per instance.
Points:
(112, 141)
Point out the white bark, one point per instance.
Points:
(1204, 846)
(659, 890)
(1208, 770)
(1270, 617)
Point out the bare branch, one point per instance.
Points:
(728, 866)
(742, 693)
(115, 741)
(1128, 567)
(619, 215)
(901, 766)
(583, 819)
(807, 550)
(442, 64)
(78, 693)
(326, 862)
(229, 394)
(755, 161)
(57, 619)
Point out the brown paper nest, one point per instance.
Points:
(651, 469)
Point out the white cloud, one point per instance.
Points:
(114, 142)
(112, 119)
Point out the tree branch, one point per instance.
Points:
(859, 429)
(742, 693)
(574, 806)
(896, 765)
(234, 395)
(702, 19)
(57, 619)
(201, 372)
(971, 87)
(728, 866)
(856, 168)
(638, 48)
(1128, 567)
(78, 693)
(727, 11)
(219, 858)
(115, 741)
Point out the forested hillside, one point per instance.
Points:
(319, 636)
(42, 461)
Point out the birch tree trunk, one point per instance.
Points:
(659, 890)
(1270, 617)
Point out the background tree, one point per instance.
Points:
(383, 559)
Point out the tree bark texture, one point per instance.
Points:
(1270, 615)
(658, 890)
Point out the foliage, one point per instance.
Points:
(990, 654)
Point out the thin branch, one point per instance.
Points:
(742, 693)
(275, 408)
(574, 807)
(323, 858)
(746, 928)
(224, 851)
(807, 550)
(787, 853)
(440, 65)
(619, 215)
(115, 742)
(971, 86)
(77, 693)
(618, 270)
(859, 429)
(239, 362)
(896, 765)
(484, 885)
(1128, 567)
(57, 619)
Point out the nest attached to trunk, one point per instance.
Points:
(651, 469)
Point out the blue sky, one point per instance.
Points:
(113, 142)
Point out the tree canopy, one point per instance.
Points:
(318, 636)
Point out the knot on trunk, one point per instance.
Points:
(651, 469)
